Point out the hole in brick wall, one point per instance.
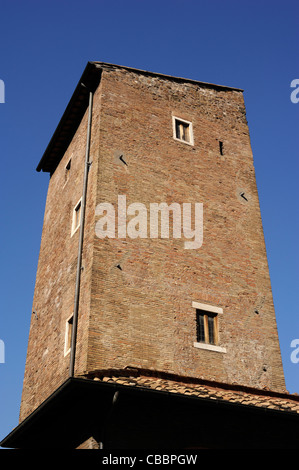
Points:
(120, 263)
(257, 312)
(121, 157)
(221, 147)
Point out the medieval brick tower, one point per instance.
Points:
(137, 339)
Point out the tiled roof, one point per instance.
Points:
(230, 393)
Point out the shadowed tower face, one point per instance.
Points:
(152, 254)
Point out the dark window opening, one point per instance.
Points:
(200, 328)
(67, 171)
(182, 130)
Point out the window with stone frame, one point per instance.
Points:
(182, 130)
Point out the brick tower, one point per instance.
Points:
(135, 324)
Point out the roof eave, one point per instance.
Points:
(65, 419)
(78, 103)
(70, 119)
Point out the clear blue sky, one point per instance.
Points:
(45, 46)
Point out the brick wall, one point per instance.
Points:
(46, 364)
(141, 315)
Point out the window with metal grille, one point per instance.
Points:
(206, 327)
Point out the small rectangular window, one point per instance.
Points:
(68, 335)
(206, 324)
(207, 327)
(182, 130)
(76, 217)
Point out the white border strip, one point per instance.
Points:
(206, 307)
(210, 347)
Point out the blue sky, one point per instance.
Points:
(45, 46)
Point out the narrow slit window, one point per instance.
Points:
(183, 130)
(67, 171)
(76, 217)
(68, 335)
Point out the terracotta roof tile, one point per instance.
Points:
(254, 397)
